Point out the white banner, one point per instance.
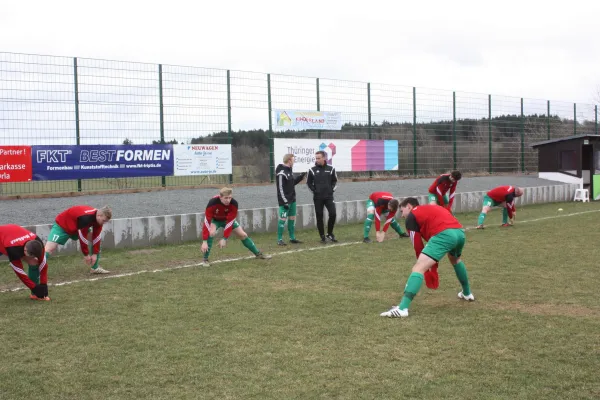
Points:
(202, 159)
(294, 120)
(343, 155)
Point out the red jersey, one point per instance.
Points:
(12, 243)
(426, 221)
(215, 210)
(504, 194)
(78, 220)
(381, 200)
(441, 186)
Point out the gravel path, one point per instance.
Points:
(43, 211)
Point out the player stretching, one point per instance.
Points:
(220, 213)
(438, 191)
(76, 223)
(17, 243)
(382, 205)
(502, 196)
(444, 235)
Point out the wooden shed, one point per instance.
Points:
(573, 159)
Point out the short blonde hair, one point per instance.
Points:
(225, 192)
(287, 158)
(106, 211)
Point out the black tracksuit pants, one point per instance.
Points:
(319, 204)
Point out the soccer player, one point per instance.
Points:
(444, 235)
(220, 213)
(502, 196)
(322, 182)
(76, 223)
(382, 205)
(438, 191)
(286, 197)
(19, 244)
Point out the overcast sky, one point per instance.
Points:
(544, 50)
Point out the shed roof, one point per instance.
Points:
(577, 137)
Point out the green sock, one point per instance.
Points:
(481, 219)
(210, 242)
(47, 256)
(292, 228)
(413, 285)
(367, 226)
(396, 226)
(95, 266)
(280, 228)
(504, 216)
(249, 244)
(34, 274)
(463, 278)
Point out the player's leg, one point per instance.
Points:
(319, 205)
(214, 225)
(459, 266)
(369, 221)
(292, 223)
(432, 199)
(396, 226)
(247, 242)
(283, 217)
(330, 205)
(504, 216)
(488, 203)
(57, 236)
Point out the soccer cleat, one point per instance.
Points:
(331, 238)
(323, 239)
(263, 256)
(205, 263)
(99, 271)
(280, 242)
(295, 241)
(403, 234)
(467, 298)
(367, 240)
(506, 224)
(34, 297)
(480, 226)
(395, 312)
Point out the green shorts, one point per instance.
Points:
(221, 224)
(58, 235)
(449, 241)
(433, 197)
(489, 202)
(291, 212)
(371, 204)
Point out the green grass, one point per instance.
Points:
(306, 325)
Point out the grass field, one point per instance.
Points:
(306, 325)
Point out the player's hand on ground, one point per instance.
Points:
(88, 261)
(380, 236)
(204, 247)
(222, 243)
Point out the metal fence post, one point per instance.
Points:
(414, 131)
(163, 179)
(548, 120)
(229, 133)
(522, 138)
(596, 122)
(575, 119)
(369, 117)
(318, 104)
(490, 133)
(454, 129)
(77, 131)
(271, 145)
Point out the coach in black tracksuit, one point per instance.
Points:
(322, 181)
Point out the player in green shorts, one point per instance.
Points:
(286, 197)
(381, 205)
(441, 191)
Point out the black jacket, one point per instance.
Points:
(285, 181)
(322, 181)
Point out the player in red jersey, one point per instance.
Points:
(19, 244)
(444, 235)
(502, 196)
(381, 205)
(221, 212)
(76, 223)
(439, 189)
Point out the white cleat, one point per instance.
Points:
(467, 298)
(395, 312)
(99, 271)
(205, 263)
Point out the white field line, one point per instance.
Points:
(228, 260)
